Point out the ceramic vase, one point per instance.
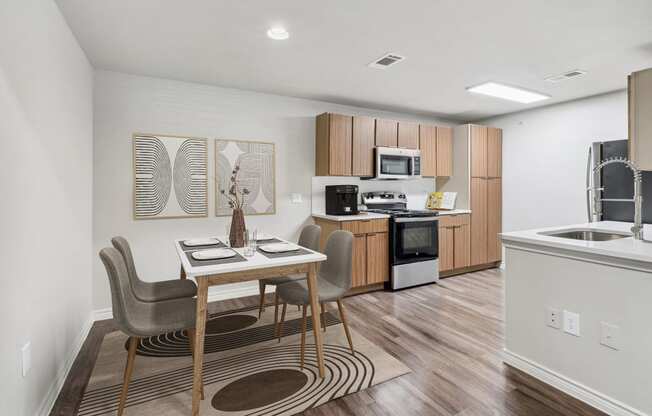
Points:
(236, 235)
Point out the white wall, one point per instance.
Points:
(544, 158)
(46, 131)
(125, 104)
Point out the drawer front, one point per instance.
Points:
(366, 226)
(454, 220)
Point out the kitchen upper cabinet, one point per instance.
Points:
(478, 141)
(479, 218)
(428, 146)
(386, 133)
(377, 258)
(364, 130)
(494, 152)
(444, 151)
(494, 219)
(408, 135)
(333, 145)
(640, 118)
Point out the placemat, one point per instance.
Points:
(199, 263)
(300, 252)
(184, 247)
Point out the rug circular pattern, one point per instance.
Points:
(229, 323)
(258, 390)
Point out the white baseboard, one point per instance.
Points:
(55, 388)
(216, 293)
(574, 389)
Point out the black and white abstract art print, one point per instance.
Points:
(170, 176)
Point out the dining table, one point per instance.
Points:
(259, 264)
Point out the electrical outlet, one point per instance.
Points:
(572, 323)
(553, 318)
(26, 352)
(609, 335)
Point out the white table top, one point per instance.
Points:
(257, 261)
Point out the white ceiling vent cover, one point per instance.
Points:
(386, 61)
(576, 73)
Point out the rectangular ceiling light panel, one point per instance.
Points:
(507, 92)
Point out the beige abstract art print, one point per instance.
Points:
(257, 174)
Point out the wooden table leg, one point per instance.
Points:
(200, 329)
(314, 311)
(182, 273)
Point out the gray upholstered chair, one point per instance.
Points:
(139, 319)
(152, 291)
(333, 281)
(309, 238)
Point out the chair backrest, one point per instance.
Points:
(337, 268)
(123, 300)
(137, 285)
(309, 238)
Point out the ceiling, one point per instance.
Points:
(449, 45)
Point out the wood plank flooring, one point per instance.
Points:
(450, 335)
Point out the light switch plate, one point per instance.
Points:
(572, 323)
(26, 353)
(553, 318)
(296, 198)
(609, 335)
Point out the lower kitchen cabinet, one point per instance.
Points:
(454, 242)
(370, 248)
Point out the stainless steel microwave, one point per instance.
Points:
(397, 163)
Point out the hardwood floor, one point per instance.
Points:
(449, 334)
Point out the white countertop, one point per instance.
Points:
(257, 261)
(623, 248)
(361, 216)
(453, 211)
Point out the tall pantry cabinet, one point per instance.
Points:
(477, 179)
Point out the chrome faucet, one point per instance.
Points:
(637, 199)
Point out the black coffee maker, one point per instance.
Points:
(341, 199)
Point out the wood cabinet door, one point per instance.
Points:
(494, 219)
(444, 151)
(386, 133)
(494, 152)
(478, 151)
(340, 142)
(462, 246)
(364, 137)
(428, 146)
(446, 247)
(408, 135)
(359, 272)
(377, 258)
(478, 221)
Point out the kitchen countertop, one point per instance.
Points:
(623, 248)
(453, 211)
(358, 217)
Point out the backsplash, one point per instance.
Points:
(417, 190)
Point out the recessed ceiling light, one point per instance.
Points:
(278, 33)
(506, 92)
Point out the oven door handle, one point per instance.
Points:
(416, 219)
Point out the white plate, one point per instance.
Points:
(201, 242)
(279, 247)
(264, 236)
(213, 254)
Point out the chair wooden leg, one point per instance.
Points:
(261, 306)
(303, 333)
(299, 308)
(323, 316)
(346, 325)
(131, 355)
(275, 310)
(191, 340)
(279, 330)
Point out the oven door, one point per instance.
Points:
(415, 239)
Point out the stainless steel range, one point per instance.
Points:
(413, 239)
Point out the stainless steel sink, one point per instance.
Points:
(587, 235)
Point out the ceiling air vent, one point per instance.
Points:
(566, 76)
(386, 61)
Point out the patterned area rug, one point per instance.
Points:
(246, 370)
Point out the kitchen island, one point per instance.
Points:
(579, 313)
